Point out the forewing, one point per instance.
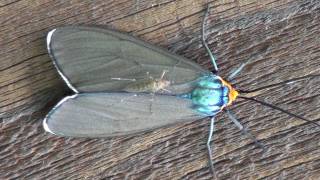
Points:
(112, 114)
(91, 59)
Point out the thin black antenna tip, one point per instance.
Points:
(282, 110)
(280, 83)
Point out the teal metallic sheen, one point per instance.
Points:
(209, 96)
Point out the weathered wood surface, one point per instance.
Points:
(282, 37)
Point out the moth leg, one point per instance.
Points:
(244, 130)
(203, 38)
(161, 78)
(236, 71)
(163, 73)
(123, 79)
(210, 161)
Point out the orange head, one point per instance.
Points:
(232, 92)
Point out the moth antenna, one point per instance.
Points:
(279, 109)
(278, 84)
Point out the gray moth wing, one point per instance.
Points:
(108, 114)
(88, 58)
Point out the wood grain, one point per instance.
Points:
(281, 37)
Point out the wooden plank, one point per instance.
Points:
(282, 38)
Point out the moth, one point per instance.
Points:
(104, 68)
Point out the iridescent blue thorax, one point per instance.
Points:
(210, 95)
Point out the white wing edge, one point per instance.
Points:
(49, 40)
(44, 123)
